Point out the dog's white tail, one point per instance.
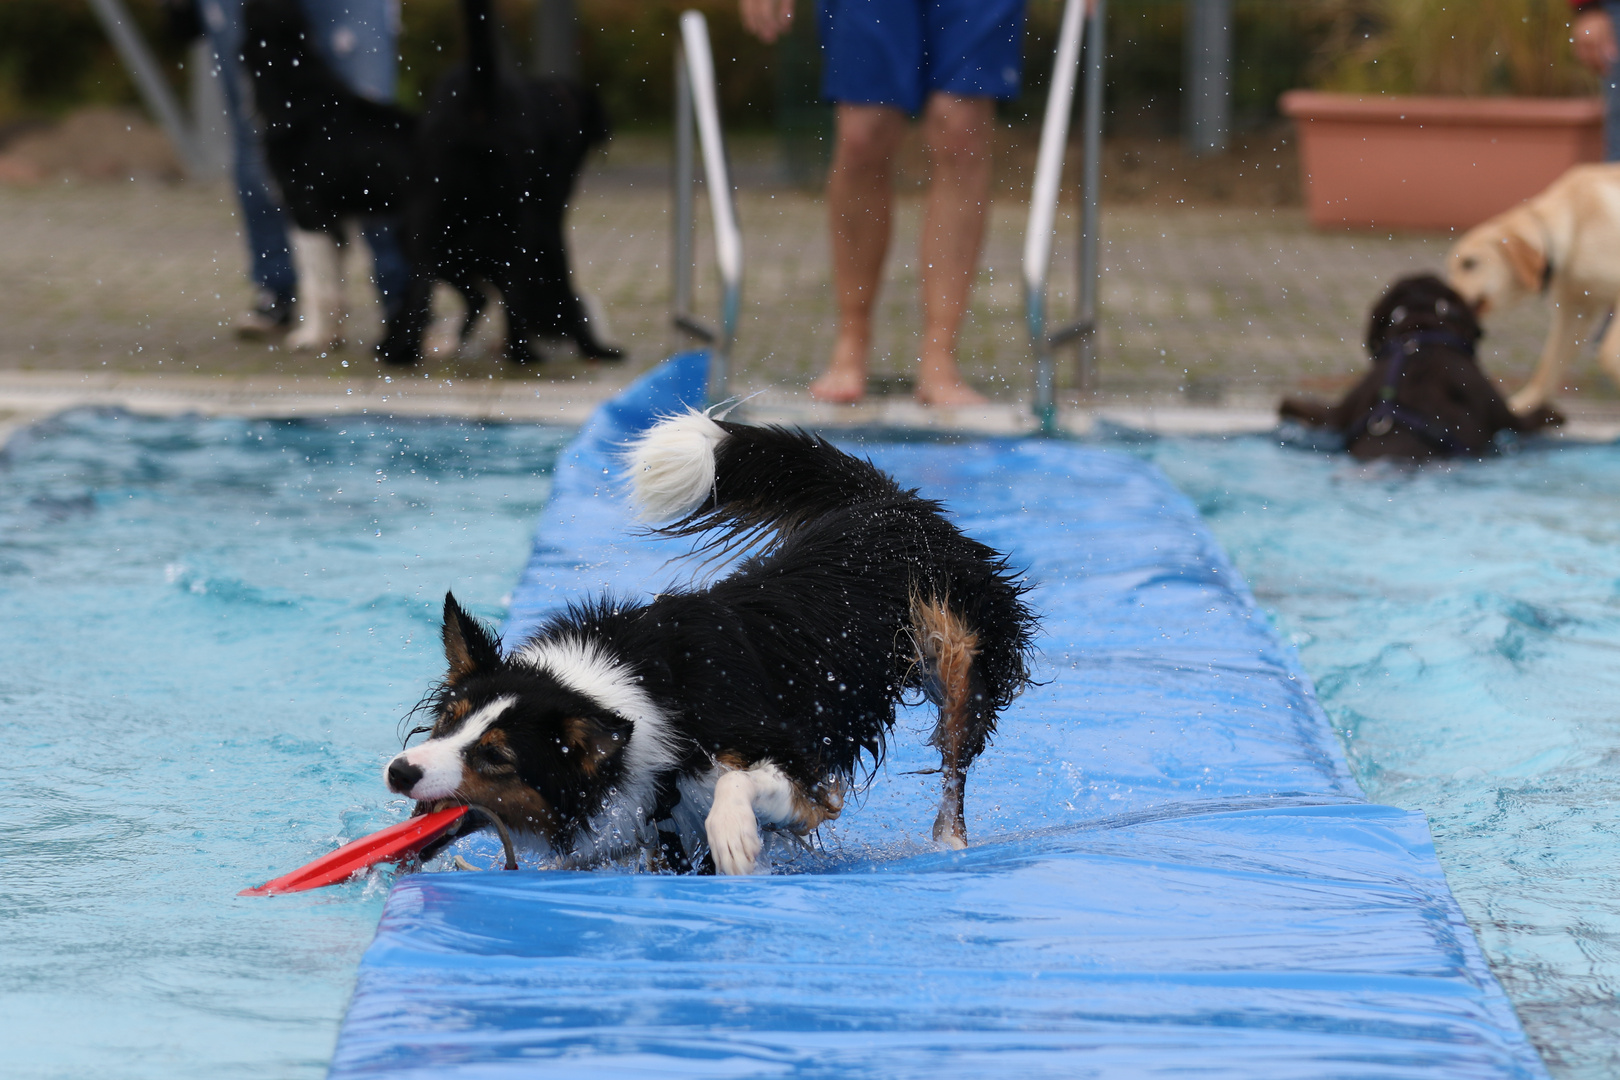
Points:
(671, 466)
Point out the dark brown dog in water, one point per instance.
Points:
(1425, 396)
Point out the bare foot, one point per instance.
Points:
(940, 382)
(840, 385)
(844, 381)
(950, 393)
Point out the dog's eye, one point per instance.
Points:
(1469, 263)
(492, 759)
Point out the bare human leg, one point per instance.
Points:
(858, 202)
(957, 131)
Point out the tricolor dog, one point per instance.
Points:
(685, 724)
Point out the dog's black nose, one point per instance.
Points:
(402, 775)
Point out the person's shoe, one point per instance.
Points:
(269, 319)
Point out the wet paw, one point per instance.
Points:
(733, 831)
(950, 831)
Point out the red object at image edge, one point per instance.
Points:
(388, 845)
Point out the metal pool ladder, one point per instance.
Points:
(1038, 237)
(696, 99)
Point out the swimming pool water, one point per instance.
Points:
(1173, 871)
(1462, 626)
(266, 602)
(212, 629)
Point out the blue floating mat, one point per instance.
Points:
(1172, 871)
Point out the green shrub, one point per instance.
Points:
(54, 56)
(1462, 47)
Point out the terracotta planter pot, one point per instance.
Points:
(1434, 162)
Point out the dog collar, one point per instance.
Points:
(1386, 413)
(1406, 344)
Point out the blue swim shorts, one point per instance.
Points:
(897, 52)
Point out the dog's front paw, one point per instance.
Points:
(734, 839)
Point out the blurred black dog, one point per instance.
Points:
(497, 157)
(1425, 396)
(337, 157)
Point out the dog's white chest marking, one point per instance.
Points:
(743, 799)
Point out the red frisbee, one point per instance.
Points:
(389, 845)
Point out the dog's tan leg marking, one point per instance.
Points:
(748, 796)
(948, 647)
(1571, 316)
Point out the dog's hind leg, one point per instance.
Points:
(1609, 345)
(402, 342)
(949, 649)
(519, 298)
(590, 330)
(318, 260)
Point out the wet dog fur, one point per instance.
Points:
(1455, 409)
(497, 156)
(336, 157)
(683, 725)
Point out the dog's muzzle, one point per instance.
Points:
(403, 776)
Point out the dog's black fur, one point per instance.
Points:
(333, 153)
(859, 594)
(497, 158)
(1437, 403)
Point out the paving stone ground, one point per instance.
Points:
(1204, 304)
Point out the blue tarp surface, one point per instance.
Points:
(1172, 871)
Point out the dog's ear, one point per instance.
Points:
(1529, 262)
(468, 647)
(594, 740)
(1382, 317)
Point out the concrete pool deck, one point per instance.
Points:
(123, 295)
(30, 396)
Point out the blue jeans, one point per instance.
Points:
(356, 38)
(1611, 93)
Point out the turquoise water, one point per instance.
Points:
(1462, 625)
(215, 627)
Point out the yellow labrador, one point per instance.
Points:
(1565, 243)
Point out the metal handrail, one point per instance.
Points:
(1039, 235)
(145, 70)
(696, 99)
